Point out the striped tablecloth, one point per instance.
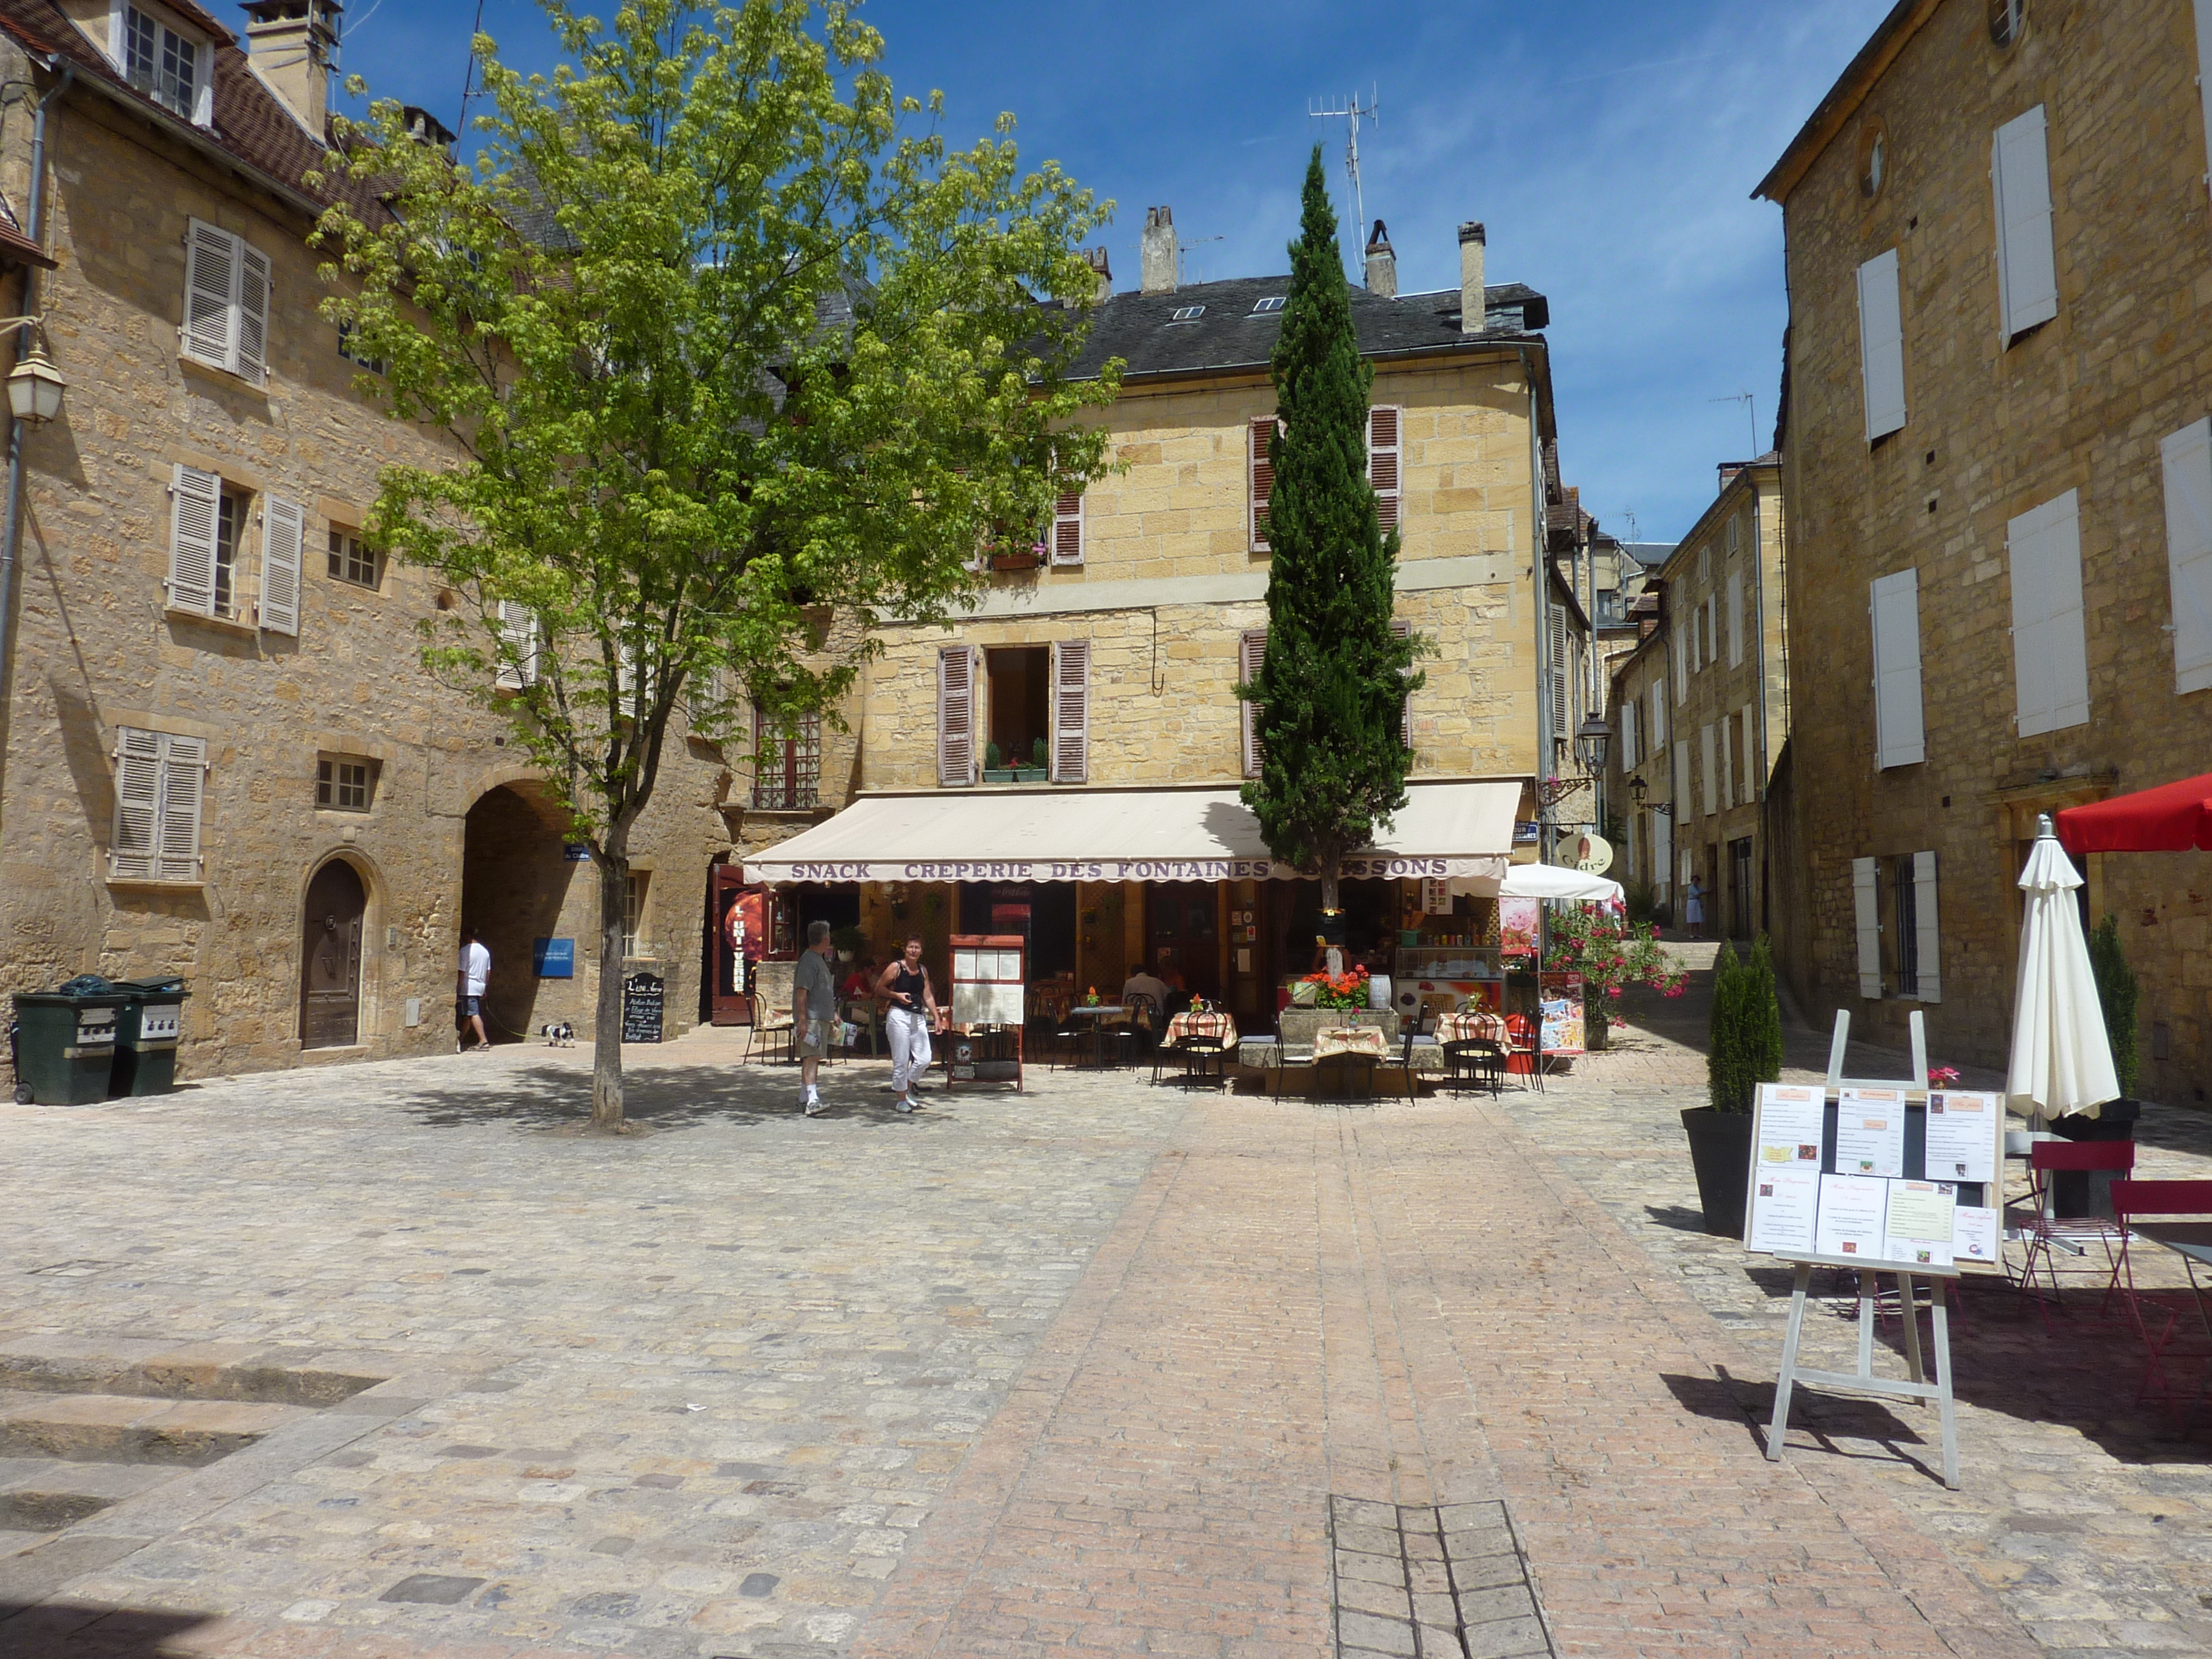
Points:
(1216, 1027)
(1474, 1026)
(1350, 1040)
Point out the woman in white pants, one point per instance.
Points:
(911, 1014)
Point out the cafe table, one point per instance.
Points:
(2192, 1242)
(1100, 1016)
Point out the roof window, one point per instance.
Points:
(1263, 308)
(1188, 314)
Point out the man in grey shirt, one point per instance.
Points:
(813, 1010)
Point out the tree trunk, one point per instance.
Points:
(606, 1035)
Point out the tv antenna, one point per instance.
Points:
(1750, 409)
(1350, 112)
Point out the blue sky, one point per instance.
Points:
(1610, 147)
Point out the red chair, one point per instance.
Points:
(2045, 1231)
(2134, 1202)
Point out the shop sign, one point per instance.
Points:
(1374, 864)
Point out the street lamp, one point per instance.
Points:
(35, 388)
(1591, 740)
(1636, 788)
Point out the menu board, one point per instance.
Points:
(642, 1008)
(1893, 1178)
(1560, 999)
(987, 979)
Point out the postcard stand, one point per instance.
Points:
(1864, 1381)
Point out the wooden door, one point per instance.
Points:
(736, 936)
(329, 991)
(1185, 931)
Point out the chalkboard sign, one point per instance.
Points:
(642, 1008)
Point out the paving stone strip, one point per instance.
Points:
(1433, 1581)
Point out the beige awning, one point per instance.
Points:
(1459, 830)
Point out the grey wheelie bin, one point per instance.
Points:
(66, 1043)
(146, 1036)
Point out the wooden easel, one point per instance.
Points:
(1864, 1381)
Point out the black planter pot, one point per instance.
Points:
(2089, 1192)
(1720, 1153)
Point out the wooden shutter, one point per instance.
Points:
(195, 499)
(2203, 10)
(1881, 346)
(184, 769)
(1628, 735)
(1681, 626)
(1708, 773)
(1260, 478)
(1251, 652)
(251, 362)
(2027, 269)
(1712, 630)
(2050, 651)
(1067, 529)
(2186, 457)
(1899, 739)
(1725, 740)
(1402, 629)
(518, 633)
(133, 847)
(1866, 911)
(283, 533)
(1928, 938)
(1735, 618)
(209, 334)
(1383, 454)
(1558, 667)
(1659, 733)
(1754, 767)
(1070, 711)
(1678, 785)
(1662, 849)
(956, 716)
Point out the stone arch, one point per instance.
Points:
(518, 886)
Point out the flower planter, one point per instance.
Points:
(1720, 1153)
(1013, 561)
(1016, 774)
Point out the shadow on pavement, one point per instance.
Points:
(67, 1629)
(656, 1098)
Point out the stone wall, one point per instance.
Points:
(2079, 402)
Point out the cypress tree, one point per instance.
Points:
(1331, 691)
(1724, 1058)
(1763, 1017)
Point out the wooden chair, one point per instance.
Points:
(2045, 1232)
(2134, 1202)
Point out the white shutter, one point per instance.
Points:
(209, 333)
(1678, 785)
(1659, 714)
(1866, 908)
(956, 716)
(1881, 344)
(1259, 477)
(196, 497)
(1754, 767)
(1734, 617)
(1251, 652)
(2027, 269)
(1726, 741)
(184, 766)
(1561, 730)
(284, 531)
(132, 846)
(1929, 939)
(1384, 453)
(2049, 650)
(1683, 624)
(251, 360)
(1401, 629)
(2203, 9)
(1628, 735)
(1899, 739)
(1708, 777)
(2186, 456)
(518, 633)
(1070, 711)
(1662, 850)
(1067, 529)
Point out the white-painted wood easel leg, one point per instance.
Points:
(1908, 1302)
(1780, 1426)
(1946, 1408)
(1836, 1045)
(1919, 1028)
(1869, 1287)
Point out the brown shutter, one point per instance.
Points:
(1251, 652)
(1070, 711)
(1402, 629)
(1067, 530)
(1384, 451)
(956, 716)
(1259, 475)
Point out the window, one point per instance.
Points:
(226, 285)
(353, 560)
(2028, 268)
(1873, 160)
(1893, 602)
(163, 64)
(1188, 314)
(344, 783)
(158, 780)
(2006, 19)
(2049, 647)
(353, 354)
(229, 531)
(1881, 346)
(786, 762)
(1251, 653)
(2186, 457)
(1385, 455)
(1904, 959)
(1260, 476)
(518, 646)
(633, 912)
(1267, 306)
(1905, 935)
(1018, 698)
(208, 522)
(1735, 617)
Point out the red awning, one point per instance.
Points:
(2171, 818)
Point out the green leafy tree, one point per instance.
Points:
(736, 364)
(1331, 687)
(2118, 995)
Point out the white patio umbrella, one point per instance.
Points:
(2061, 1061)
(1553, 881)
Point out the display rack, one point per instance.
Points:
(989, 980)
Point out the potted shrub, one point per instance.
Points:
(1013, 557)
(849, 942)
(1039, 769)
(1745, 1051)
(995, 769)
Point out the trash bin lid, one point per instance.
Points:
(168, 985)
(66, 999)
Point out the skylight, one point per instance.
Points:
(1188, 314)
(1262, 307)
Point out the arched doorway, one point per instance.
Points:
(516, 881)
(330, 957)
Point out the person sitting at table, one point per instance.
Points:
(861, 982)
(1141, 983)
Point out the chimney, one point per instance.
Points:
(426, 128)
(1381, 264)
(1096, 258)
(1473, 309)
(289, 44)
(1159, 268)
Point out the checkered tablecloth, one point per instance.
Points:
(1215, 1027)
(1350, 1040)
(1474, 1026)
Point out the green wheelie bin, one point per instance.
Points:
(66, 1042)
(146, 1035)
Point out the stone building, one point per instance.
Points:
(2000, 485)
(1701, 706)
(1067, 757)
(221, 757)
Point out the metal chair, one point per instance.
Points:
(1144, 1027)
(1477, 1063)
(775, 1032)
(2045, 1230)
(1340, 1066)
(2132, 1201)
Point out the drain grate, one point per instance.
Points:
(1418, 1582)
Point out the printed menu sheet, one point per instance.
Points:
(1789, 1124)
(1974, 1236)
(1786, 1194)
(1853, 1209)
(1962, 1136)
(1919, 1223)
(1871, 1132)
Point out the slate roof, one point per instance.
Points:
(1139, 329)
(252, 126)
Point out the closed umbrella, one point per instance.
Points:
(2061, 1061)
